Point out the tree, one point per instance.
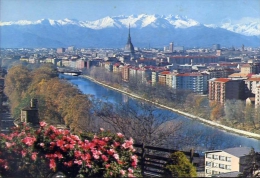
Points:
(234, 112)
(181, 166)
(143, 122)
(16, 83)
(216, 110)
(251, 165)
(250, 116)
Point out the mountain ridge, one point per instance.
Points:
(158, 30)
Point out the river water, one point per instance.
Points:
(202, 137)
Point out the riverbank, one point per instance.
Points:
(210, 123)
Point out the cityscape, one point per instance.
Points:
(157, 85)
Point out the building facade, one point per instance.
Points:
(195, 82)
(224, 161)
(221, 89)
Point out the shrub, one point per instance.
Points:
(181, 166)
(47, 150)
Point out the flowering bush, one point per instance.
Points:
(38, 153)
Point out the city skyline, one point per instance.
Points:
(204, 11)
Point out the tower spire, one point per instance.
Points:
(129, 37)
(129, 48)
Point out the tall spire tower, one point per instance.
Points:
(129, 48)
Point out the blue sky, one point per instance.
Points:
(204, 11)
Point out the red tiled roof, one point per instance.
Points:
(165, 72)
(253, 79)
(249, 75)
(116, 64)
(222, 80)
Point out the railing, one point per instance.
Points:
(152, 160)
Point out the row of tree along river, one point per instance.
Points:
(194, 134)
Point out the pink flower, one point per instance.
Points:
(58, 155)
(52, 164)
(106, 139)
(116, 144)
(34, 156)
(23, 152)
(104, 157)
(120, 135)
(128, 144)
(79, 162)
(134, 157)
(77, 154)
(60, 143)
(43, 124)
(111, 151)
(134, 164)
(102, 130)
(70, 163)
(86, 157)
(107, 166)
(130, 170)
(69, 146)
(116, 156)
(75, 137)
(29, 140)
(122, 172)
(130, 175)
(96, 156)
(8, 145)
(42, 144)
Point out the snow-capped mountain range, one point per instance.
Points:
(171, 27)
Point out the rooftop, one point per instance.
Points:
(238, 151)
(224, 80)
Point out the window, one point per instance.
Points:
(208, 163)
(215, 172)
(215, 164)
(228, 167)
(208, 156)
(228, 159)
(222, 158)
(215, 157)
(208, 171)
(222, 166)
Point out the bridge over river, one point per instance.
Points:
(69, 71)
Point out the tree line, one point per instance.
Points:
(58, 101)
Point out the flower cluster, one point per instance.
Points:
(51, 149)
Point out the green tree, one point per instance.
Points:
(181, 166)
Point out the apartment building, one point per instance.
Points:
(252, 83)
(250, 68)
(193, 59)
(162, 77)
(225, 161)
(117, 67)
(257, 97)
(195, 81)
(125, 73)
(221, 89)
(220, 73)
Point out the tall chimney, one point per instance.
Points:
(34, 103)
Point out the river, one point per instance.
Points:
(203, 136)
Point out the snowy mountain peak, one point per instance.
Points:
(247, 26)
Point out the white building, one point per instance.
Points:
(225, 161)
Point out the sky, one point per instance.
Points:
(203, 11)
